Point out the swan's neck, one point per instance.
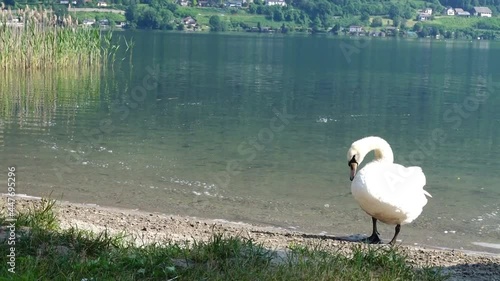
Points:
(382, 149)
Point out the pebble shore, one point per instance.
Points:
(144, 228)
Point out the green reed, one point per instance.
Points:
(41, 40)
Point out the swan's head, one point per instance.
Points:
(354, 158)
(360, 148)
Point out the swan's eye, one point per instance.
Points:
(353, 160)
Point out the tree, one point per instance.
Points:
(396, 21)
(149, 19)
(60, 10)
(426, 31)
(365, 17)
(216, 24)
(259, 10)
(284, 29)
(252, 8)
(394, 11)
(316, 25)
(352, 8)
(403, 24)
(167, 19)
(11, 3)
(336, 29)
(131, 13)
(303, 18)
(290, 15)
(417, 27)
(165, 4)
(278, 15)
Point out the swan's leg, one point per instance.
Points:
(373, 239)
(398, 228)
(374, 222)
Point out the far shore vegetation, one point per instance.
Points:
(407, 18)
(43, 251)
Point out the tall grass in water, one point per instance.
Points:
(41, 40)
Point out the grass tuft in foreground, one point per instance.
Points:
(45, 252)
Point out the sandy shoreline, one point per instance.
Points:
(147, 227)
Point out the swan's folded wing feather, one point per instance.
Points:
(396, 185)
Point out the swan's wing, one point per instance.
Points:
(417, 176)
(396, 185)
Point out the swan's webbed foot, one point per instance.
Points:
(373, 239)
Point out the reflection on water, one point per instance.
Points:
(32, 98)
(240, 127)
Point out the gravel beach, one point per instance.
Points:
(145, 227)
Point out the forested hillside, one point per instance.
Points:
(301, 15)
(468, 4)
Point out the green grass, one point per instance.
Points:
(203, 15)
(462, 23)
(45, 252)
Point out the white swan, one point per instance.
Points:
(388, 192)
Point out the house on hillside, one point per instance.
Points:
(276, 3)
(88, 22)
(104, 22)
(391, 30)
(102, 4)
(234, 3)
(189, 22)
(355, 29)
(482, 12)
(424, 14)
(461, 13)
(423, 17)
(449, 11)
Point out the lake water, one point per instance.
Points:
(255, 128)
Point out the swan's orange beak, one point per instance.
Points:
(353, 166)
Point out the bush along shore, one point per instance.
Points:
(38, 39)
(63, 241)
